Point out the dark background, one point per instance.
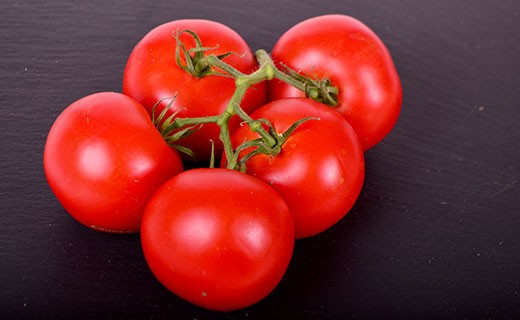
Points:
(435, 233)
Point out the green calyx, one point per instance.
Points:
(320, 90)
(271, 146)
(195, 62)
(167, 127)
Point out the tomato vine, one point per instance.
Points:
(199, 65)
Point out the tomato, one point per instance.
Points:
(349, 54)
(320, 169)
(218, 238)
(152, 74)
(103, 160)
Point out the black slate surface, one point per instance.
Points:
(434, 235)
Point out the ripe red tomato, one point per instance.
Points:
(152, 74)
(354, 59)
(218, 238)
(103, 160)
(320, 169)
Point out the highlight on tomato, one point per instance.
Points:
(217, 238)
(104, 159)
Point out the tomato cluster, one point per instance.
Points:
(287, 131)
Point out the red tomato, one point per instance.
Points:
(355, 60)
(218, 238)
(104, 159)
(152, 74)
(320, 169)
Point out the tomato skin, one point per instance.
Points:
(103, 160)
(354, 59)
(217, 238)
(320, 169)
(152, 74)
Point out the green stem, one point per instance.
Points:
(182, 122)
(263, 58)
(320, 90)
(214, 61)
(256, 126)
(226, 141)
(242, 84)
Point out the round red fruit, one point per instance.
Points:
(103, 160)
(217, 238)
(320, 168)
(355, 60)
(152, 75)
